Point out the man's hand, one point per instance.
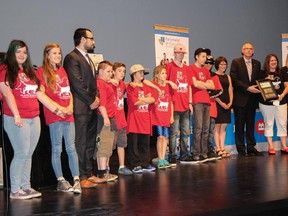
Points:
(253, 89)
(95, 104)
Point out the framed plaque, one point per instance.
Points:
(267, 89)
(96, 58)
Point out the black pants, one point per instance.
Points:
(244, 119)
(85, 142)
(138, 150)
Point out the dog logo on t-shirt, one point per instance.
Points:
(142, 108)
(62, 87)
(27, 89)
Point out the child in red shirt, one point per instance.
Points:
(120, 141)
(139, 127)
(162, 114)
(106, 125)
(201, 105)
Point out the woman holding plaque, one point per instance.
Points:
(275, 109)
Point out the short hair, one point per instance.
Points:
(103, 64)
(219, 60)
(78, 34)
(117, 65)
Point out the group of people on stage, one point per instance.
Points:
(85, 106)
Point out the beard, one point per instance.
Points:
(90, 49)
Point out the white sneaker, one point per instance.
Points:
(77, 187)
(32, 192)
(20, 194)
(110, 177)
(64, 186)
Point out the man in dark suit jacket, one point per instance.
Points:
(81, 73)
(243, 72)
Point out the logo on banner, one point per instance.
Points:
(260, 126)
(162, 40)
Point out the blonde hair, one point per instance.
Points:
(49, 75)
(157, 70)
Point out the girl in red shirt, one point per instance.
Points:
(162, 114)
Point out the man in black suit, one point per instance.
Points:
(81, 73)
(243, 73)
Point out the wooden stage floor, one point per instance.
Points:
(234, 186)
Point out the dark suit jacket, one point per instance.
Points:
(240, 81)
(82, 82)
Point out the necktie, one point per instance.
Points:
(91, 64)
(249, 69)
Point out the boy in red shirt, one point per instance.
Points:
(180, 74)
(213, 108)
(201, 105)
(120, 141)
(106, 126)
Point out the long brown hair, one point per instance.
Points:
(49, 75)
(266, 67)
(12, 65)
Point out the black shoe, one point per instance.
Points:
(188, 160)
(241, 154)
(203, 159)
(284, 151)
(254, 152)
(172, 161)
(211, 156)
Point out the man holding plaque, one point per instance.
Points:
(243, 72)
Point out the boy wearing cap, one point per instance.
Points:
(179, 73)
(211, 154)
(139, 127)
(201, 83)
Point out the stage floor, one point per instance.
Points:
(234, 186)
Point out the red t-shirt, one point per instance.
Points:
(181, 77)
(61, 94)
(161, 112)
(138, 117)
(218, 86)
(119, 92)
(107, 97)
(200, 95)
(24, 93)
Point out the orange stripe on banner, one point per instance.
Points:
(285, 35)
(171, 28)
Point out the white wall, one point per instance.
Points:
(123, 29)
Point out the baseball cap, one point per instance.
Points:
(200, 50)
(179, 48)
(210, 59)
(138, 67)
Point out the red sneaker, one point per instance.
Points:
(271, 151)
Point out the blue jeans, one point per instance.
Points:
(200, 129)
(211, 135)
(24, 141)
(58, 130)
(182, 118)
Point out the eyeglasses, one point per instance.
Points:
(91, 38)
(210, 63)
